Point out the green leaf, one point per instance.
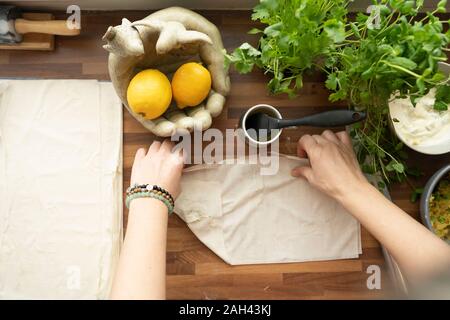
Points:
(413, 100)
(443, 93)
(339, 95)
(331, 82)
(361, 18)
(281, 86)
(355, 30)
(249, 50)
(395, 166)
(438, 77)
(441, 6)
(400, 168)
(255, 31)
(420, 83)
(381, 185)
(407, 8)
(367, 169)
(403, 62)
(417, 192)
(365, 97)
(399, 146)
(415, 172)
(299, 82)
(381, 153)
(260, 14)
(335, 30)
(264, 9)
(243, 58)
(273, 85)
(384, 10)
(385, 48)
(440, 106)
(419, 3)
(367, 74)
(273, 30)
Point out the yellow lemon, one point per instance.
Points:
(191, 84)
(149, 93)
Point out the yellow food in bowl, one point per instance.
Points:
(439, 206)
(149, 93)
(191, 84)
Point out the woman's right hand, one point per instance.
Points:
(333, 167)
(159, 166)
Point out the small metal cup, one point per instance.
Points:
(267, 109)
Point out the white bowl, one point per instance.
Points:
(440, 147)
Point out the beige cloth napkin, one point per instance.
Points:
(249, 218)
(60, 188)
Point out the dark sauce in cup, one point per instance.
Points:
(253, 130)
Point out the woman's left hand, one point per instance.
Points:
(159, 166)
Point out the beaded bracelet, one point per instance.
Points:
(149, 191)
(147, 194)
(148, 187)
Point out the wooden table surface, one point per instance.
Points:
(193, 271)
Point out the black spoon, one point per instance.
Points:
(335, 118)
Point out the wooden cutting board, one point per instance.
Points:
(34, 41)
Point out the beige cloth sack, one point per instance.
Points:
(60, 188)
(249, 218)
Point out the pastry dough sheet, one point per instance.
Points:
(60, 188)
(249, 218)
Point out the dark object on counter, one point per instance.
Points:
(335, 118)
(12, 26)
(427, 192)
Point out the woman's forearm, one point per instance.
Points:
(418, 252)
(141, 271)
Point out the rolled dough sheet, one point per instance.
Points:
(60, 188)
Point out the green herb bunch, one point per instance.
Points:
(386, 54)
(299, 36)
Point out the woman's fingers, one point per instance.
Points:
(319, 139)
(181, 153)
(166, 147)
(305, 143)
(154, 148)
(344, 138)
(301, 153)
(304, 172)
(177, 157)
(330, 135)
(140, 154)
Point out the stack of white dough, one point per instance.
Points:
(60, 188)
